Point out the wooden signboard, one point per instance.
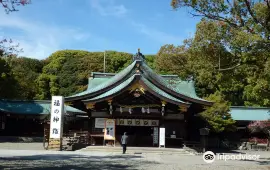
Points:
(109, 132)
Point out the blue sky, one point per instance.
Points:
(46, 26)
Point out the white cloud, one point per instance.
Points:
(38, 40)
(161, 37)
(108, 8)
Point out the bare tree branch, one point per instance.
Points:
(214, 17)
(251, 12)
(10, 5)
(230, 68)
(8, 48)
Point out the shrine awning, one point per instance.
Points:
(250, 113)
(38, 107)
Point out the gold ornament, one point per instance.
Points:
(163, 103)
(182, 108)
(136, 86)
(90, 105)
(68, 103)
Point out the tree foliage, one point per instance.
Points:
(64, 72)
(67, 71)
(218, 116)
(230, 50)
(8, 84)
(8, 48)
(25, 71)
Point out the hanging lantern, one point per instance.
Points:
(163, 111)
(130, 111)
(143, 110)
(111, 109)
(148, 110)
(121, 110)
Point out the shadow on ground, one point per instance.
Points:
(58, 161)
(226, 151)
(262, 161)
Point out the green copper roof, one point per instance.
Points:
(128, 83)
(250, 113)
(174, 88)
(31, 107)
(187, 86)
(160, 92)
(109, 82)
(114, 90)
(181, 87)
(94, 82)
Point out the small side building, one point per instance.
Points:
(244, 116)
(19, 118)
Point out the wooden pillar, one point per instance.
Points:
(183, 110)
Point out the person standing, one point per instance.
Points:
(124, 142)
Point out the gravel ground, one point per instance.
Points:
(37, 159)
(32, 156)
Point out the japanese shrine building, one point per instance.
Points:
(140, 100)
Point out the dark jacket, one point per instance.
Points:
(124, 139)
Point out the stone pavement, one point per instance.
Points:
(134, 150)
(40, 159)
(21, 146)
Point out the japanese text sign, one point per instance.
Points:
(57, 109)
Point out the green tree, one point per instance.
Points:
(7, 82)
(171, 60)
(234, 35)
(217, 116)
(150, 60)
(66, 72)
(25, 72)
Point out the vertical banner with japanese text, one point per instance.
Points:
(57, 112)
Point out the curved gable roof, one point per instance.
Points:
(129, 82)
(179, 90)
(108, 82)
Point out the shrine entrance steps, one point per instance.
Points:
(139, 150)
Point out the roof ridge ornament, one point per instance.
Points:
(138, 56)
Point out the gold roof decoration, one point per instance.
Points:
(182, 108)
(68, 103)
(137, 86)
(163, 103)
(90, 105)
